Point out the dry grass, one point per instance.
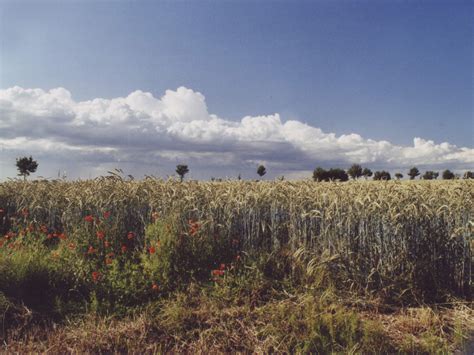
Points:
(195, 323)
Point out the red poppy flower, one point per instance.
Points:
(62, 236)
(100, 235)
(152, 250)
(89, 218)
(95, 276)
(72, 246)
(106, 244)
(154, 287)
(108, 261)
(106, 214)
(217, 272)
(91, 250)
(124, 248)
(222, 267)
(130, 235)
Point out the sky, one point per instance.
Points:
(223, 86)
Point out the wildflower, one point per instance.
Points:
(154, 287)
(25, 212)
(124, 248)
(108, 261)
(44, 229)
(95, 276)
(111, 254)
(71, 246)
(152, 250)
(91, 250)
(130, 235)
(49, 236)
(194, 227)
(62, 236)
(106, 243)
(222, 267)
(217, 272)
(89, 218)
(106, 214)
(100, 235)
(155, 216)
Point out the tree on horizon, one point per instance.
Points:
(182, 170)
(448, 175)
(26, 166)
(366, 173)
(261, 170)
(355, 171)
(413, 173)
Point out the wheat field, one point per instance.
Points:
(382, 236)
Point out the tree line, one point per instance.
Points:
(356, 171)
(27, 165)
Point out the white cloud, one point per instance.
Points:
(141, 129)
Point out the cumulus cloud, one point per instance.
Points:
(140, 129)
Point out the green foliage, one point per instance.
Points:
(382, 175)
(182, 170)
(430, 175)
(355, 171)
(413, 173)
(468, 175)
(26, 166)
(180, 257)
(367, 173)
(333, 174)
(448, 175)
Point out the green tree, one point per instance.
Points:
(337, 174)
(320, 174)
(413, 173)
(355, 171)
(261, 170)
(382, 175)
(366, 173)
(182, 170)
(399, 176)
(468, 175)
(430, 175)
(26, 166)
(448, 175)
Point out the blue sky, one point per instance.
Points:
(384, 70)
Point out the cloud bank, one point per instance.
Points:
(142, 132)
